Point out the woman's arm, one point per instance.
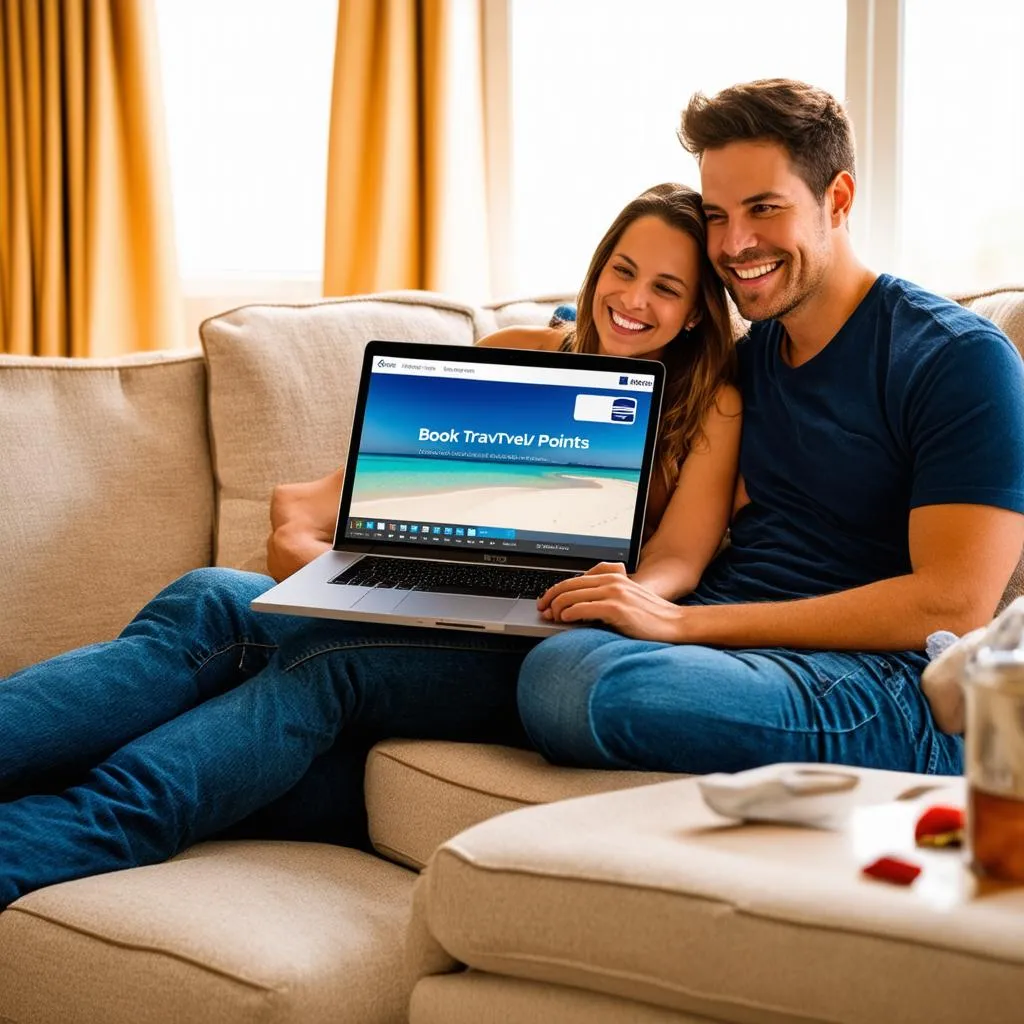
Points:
(695, 520)
(673, 560)
(549, 338)
(302, 521)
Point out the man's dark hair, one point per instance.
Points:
(809, 122)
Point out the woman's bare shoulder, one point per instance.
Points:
(722, 420)
(728, 401)
(524, 337)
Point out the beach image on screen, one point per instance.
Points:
(529, 457)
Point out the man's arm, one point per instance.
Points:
(961, 558)
(961, 555)
(302, 521)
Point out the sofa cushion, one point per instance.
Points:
(227, 932)
(107, 494)
(282, 388)
(648, 895)
(473, 996)
(420, 793)
(534, 312)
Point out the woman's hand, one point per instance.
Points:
(606, 594)
(302, 520)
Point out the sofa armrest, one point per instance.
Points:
(107, 494)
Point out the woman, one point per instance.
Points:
(650, 294)
(205, 718)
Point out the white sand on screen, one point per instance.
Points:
(600, 508)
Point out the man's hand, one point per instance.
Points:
(302, 521)
(606, 594)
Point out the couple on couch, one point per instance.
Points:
(876, 495)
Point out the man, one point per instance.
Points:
(881, 492)
(881, 499)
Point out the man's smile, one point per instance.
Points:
(752, 273)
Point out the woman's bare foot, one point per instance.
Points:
(302, 521)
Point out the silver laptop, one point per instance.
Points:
(476, 479)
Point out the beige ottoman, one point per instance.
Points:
(226, 933)
(644, 906)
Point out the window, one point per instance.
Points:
(597, 87)
(247, 91)
(594, 92)
(962, 194)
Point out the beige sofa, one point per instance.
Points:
(117, 477)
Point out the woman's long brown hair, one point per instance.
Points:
(697, 361)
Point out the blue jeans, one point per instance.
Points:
(206, 719)
(622, 703)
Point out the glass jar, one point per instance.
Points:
(994, 756)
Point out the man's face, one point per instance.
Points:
(768, 238)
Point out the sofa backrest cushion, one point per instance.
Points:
(282, 385)
(106, 494)
(533, 312)
(1005, 308)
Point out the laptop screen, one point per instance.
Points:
(544, 460)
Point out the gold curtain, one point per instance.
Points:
(87, 257)
(406, 179)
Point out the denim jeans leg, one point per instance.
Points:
(195, 639)
(596, 699)
(467, 694)
(224, 759)
(325, 806)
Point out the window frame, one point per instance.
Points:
(874, 101)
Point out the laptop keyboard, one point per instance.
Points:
(449, 578)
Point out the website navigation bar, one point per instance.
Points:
(513, 374)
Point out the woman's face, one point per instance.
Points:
(647, 291)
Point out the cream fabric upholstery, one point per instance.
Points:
(228, 932)
(107, 494)
(420, 793)
(648, 895)
(473, 996)
(534, 312)
(282, 391)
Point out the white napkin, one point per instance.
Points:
(821, 797)
(943, 678)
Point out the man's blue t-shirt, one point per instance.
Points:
(915, 401)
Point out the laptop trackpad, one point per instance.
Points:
(379, 600)
(455, 606)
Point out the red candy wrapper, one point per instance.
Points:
(893, 870)
(940, 826)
